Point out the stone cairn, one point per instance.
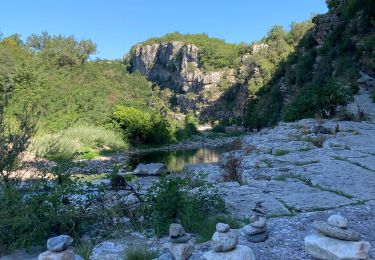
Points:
(59, 248)
(224, 245)
(179, 245)
(334, 240)
(257, 231)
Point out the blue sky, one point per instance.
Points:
(116, 25)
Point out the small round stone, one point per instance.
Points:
(176, 230)
(223, 242)
(222, 227)
(338, 221)
(261, 237)
(181, 239)
(250, 230)
(258, 221)
(59, 243)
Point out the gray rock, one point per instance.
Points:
(335, 232)
(338, 221)
(180, 239)
(176, 230)
(256, 238)
(78, 257)
(222, 227)
(67, 254)
(223, 242)
(59, 243)
(166, 256)
(241, 252)
(108, 251)
(323, 247)
(150, 169)
(250, 230)
(258, 221)
(181, 251)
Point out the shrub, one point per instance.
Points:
(318, 100)
(31, 213)
(218, 129)
(188, 200)
(117, 181)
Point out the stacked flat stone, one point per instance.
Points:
(59, 248)
(179, 245)
(257, 231)
(224, 245)
(334, 240)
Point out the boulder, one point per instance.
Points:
(59, 243)
(222, 242)
(166, 256)
(181, 251)
(322, 247)
(108, 251)
(240, 252)
(67, 254)
(181, 239)
(335, 232)
(150, 169)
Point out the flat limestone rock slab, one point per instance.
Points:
(323, 247)
(300, 196)
(343, 176)
(242, 199)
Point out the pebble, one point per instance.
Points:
(261, 237)
(176, 230)
(222, 227)
(258, 221)
(335, 232)
(181, 239)
(250, 230)
(59, 243)
(338, 221)
(223, 242)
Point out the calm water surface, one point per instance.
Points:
(176, 160)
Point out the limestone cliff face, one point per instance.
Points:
(174, 65)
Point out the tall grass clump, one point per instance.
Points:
(78, 142)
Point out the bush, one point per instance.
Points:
(318, 100)
(31, 213)
(78, 142)
(218, 129)
(188, 200)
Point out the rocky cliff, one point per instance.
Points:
(177, 66)
(174, 65)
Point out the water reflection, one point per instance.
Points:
(176, 160)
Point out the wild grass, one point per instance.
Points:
(78, 142)
(140, 253)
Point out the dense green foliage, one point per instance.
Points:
(141, 127)
(316, 81)
(214, 53)
(188, 200)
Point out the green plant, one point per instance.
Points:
(218, 129)
(281, 152)
(140, 253)
(78, 142)
(188, 200)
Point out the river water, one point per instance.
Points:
(176, 160)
